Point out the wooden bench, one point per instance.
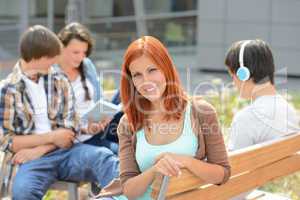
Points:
(251, 167)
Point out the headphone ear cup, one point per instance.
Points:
(243, 73)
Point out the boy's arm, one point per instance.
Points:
(62, 138)
(19, 142)
(69, 123)
(10, 141)
(29, 154)
(6, 115)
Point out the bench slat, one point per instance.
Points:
(242, 161)
(259, 155)
(245, 182)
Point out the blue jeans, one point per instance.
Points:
(82, 162)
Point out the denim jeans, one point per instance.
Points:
(82, 162)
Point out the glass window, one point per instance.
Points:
(123, 8)
(179, 31)
(112, 23)
(113, 36)
(109, 8)
(39, 13)
(9, 9)
(166, 6)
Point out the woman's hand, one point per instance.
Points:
(96, 127)
(169, 164)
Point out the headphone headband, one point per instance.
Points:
(243, 72)
(241, 54)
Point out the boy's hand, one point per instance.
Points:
(63, 138)
(26, 155)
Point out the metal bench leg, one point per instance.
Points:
(73, 191)
(163, 188)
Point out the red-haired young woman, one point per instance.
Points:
(163, 130)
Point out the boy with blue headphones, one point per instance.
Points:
(269, 116)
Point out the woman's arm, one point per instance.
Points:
(91, 70)
(137, 186)
(210, 138)
(210, 173)
(128, 166)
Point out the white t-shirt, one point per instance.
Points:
(37, 94)
(81, 104)
(267, 118)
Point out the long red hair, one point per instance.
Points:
(131, 99)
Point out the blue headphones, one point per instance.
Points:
(243, 72)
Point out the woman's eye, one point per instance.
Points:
(136, 75)
(152, 69)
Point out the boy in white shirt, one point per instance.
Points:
(269, 116)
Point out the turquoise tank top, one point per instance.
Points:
(185, 144)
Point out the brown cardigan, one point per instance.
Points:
(205, 125)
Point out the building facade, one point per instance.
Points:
(197, 32)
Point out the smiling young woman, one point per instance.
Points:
(163, 130)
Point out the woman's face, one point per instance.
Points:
(74, 53)
(147, 78)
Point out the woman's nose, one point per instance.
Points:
(147, 78)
